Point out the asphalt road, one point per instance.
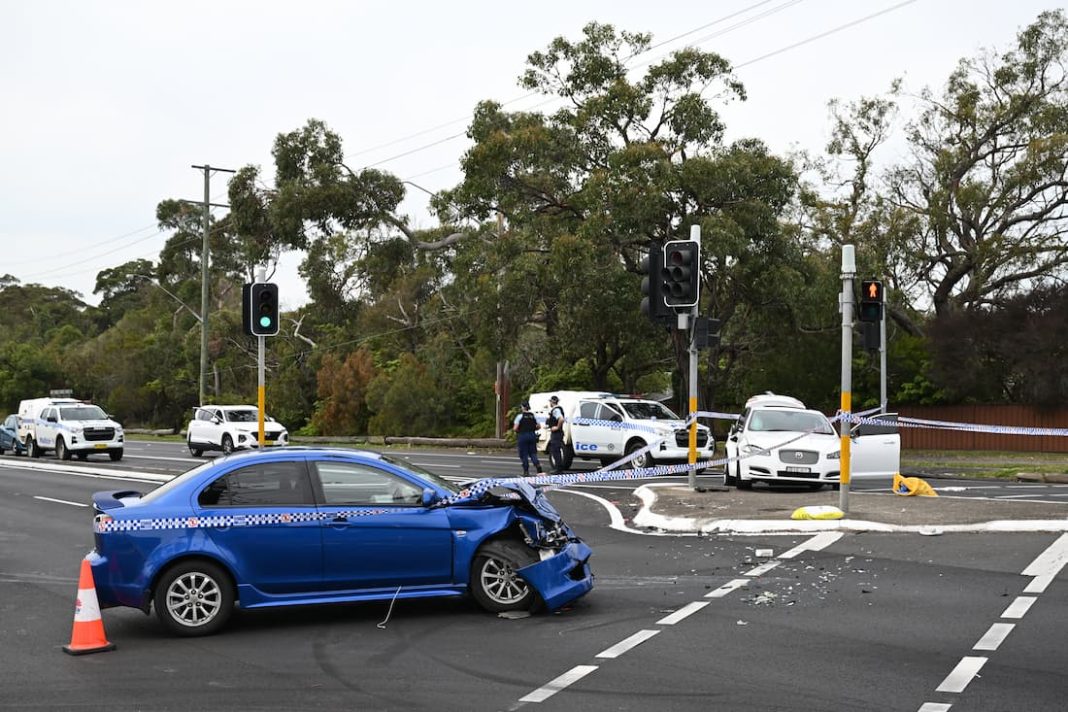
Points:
(831, 622)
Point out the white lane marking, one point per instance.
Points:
(616, 518)
(623, 646)
(762, 569)
(934, 707)
(727, 588)
(1050, 561)
(1039, 584)
(965, 672)
(685, 612)
(995, 636)
(816, 543)
(570, 677)
(61, 501)
(134, 456)
(112, 474)
(1019, 607)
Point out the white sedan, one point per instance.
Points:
(776, 439)
(231, 427)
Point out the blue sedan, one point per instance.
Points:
(311, 526)
(9, 436)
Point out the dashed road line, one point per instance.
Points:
(568, 678)
(965, 672)
(685, 612)
(994, 637)
(624, 645)
(820, 541)
(763, 568)
(61, 501)
(727, 588)
(1019, 607)
(935, 707)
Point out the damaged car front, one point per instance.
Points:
(515, 541)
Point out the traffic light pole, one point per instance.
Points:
(691, 479)
(261, 376)
(849, 271)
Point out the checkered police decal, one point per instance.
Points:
(235, 520)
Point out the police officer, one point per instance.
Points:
(526, 427)
(555, 423)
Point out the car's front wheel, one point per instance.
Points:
(194, 451)
(738, 481)
(62, 451)
(32, 449)
(494, 583)
(642, 461)
(227, 444)
(194, 598)
(115, 455)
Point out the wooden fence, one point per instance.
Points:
(1015, 415)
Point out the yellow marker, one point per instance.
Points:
(847, 405)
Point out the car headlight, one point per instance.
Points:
(76, 429)
(836, 455)
(754, 450)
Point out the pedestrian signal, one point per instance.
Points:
(871, 300)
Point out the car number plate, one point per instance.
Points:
(791, 468)
(101, 446)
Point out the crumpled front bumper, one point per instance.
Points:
(563, 577)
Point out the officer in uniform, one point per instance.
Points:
(555, 423)
(526, 427)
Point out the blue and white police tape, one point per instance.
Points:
(906, 422)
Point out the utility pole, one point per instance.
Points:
(204, 251)
(882, 359)
(849, 271)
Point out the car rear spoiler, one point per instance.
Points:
(103, 501)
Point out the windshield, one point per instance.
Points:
(246, 415)
(83, 412)
(425, 474)
(648, 411)
(773, 421)
(171, 484)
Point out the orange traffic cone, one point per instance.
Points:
(88, 634)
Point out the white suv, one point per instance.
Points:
(231, 427)
(70, 427)
(590, 431)
(779, 440)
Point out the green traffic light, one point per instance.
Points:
(265, 321)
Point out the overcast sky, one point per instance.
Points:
(106, 105)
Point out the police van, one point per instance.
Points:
(70, 427)
(595, 428)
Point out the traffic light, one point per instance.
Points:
(681, 272)
(871, 300)
(705, 332)
(262, 309)
(653, 305)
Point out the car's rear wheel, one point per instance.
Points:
(642, 461)
(32, 449)
(194, 598)
(115, 455)
(568, 452)
(227, 444)
(494, 583)
(62, 451)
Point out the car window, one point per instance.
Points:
(649, 411)
(588, 410)
(351, 483)
(609, 413)
(11, 422)
(262, 484)
(83, 412)
(48, 413)
(203, 414)
(789, 421)
(245, 415)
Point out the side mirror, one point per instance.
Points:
(216, 420)
(429, 497)
(51, 419)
